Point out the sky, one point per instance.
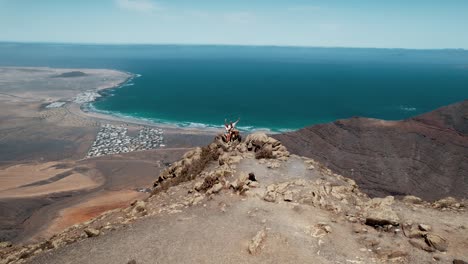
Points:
(416, 24)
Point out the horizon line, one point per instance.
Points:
(217, 44)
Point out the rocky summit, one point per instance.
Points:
(425, 156)
(254, 202)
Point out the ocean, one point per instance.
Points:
(274, 88)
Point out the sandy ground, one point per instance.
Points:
(45, 182)
(222, 226)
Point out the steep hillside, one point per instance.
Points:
(426, 156)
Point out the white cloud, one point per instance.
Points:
(137, 5)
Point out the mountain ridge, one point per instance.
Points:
(426, 155)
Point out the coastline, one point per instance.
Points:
(85, 109)
(56, 140)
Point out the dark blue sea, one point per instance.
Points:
(278, 88)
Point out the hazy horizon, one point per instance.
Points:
(297, 23)
(221, 44)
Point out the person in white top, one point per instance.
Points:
(230, 128)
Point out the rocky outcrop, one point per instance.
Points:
(226, 154)
(425, 156)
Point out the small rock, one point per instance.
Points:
(5, 244)
(132, 262)
(421, 245)
(216, 188)
(254, 184)
(91, 232)
(325, 227)
(256, 241)
(244, 189)
(252, 177)
(243, 178)
(288, 197)
(270, 197)
(197, 200)
(198, 185)
(459, 261)
(273, 165)
(397, 254)
(424, 227)
(271, 188)
(415, 233)
(235, 184)
(138, 207)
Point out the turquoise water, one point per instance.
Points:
(267, 87)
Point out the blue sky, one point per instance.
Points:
(420, 24)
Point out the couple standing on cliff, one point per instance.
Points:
(230, 129)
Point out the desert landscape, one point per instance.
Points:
(48, 179)
(76, 185)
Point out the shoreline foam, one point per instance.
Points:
(90, 110)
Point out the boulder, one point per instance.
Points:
(412, 199)
(459, 261)
(382, 217)
(436, 242)
(257, 139)
(380, 213)
(91, 232)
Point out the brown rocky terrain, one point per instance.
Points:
(252, 202)
(425, 156)
(255, 203)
